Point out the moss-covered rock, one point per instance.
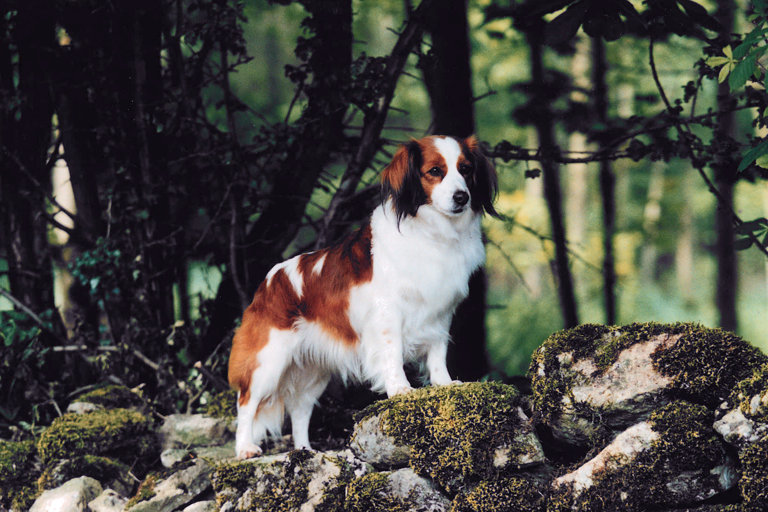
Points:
(113, 396)
(18, 474)
(675, 459)
(591, 380)
(751, 395)
(460, 434)
(393, 491)
(111, 473)
(754, 480)
(221, 405)
(286, 482)
(503, 495)
(118, 433)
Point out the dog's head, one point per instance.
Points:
(451, 175)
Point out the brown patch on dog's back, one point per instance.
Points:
(325, 300)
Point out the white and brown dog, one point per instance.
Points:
(363, 308)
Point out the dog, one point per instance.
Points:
(381, 298)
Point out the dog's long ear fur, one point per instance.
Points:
(484, 183)
(401, 180)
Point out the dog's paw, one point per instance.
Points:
(248, 452)
(401, 391)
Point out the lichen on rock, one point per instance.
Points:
(118, 433)
(460, 433)
(394, 491)
(753, 484)
(112, 396)
(593, 380)
(674, 458)
(502, 495)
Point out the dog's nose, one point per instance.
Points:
(460, 198)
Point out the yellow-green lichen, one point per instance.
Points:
(370, 493)
(452, 430)
(754, 480)
(146, 491)
(754, 386)
(18, 474)
(112, 396)
(686, 443)
(282, 485)
(222, 405)
(118, 433)
(503, 495)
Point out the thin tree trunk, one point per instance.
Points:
(607, 182)
(448, 78)
(551, 177)
(725, 167)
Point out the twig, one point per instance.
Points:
(684, 135)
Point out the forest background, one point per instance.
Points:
(158, 157)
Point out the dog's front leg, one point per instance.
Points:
(436, 366)
(385, 356)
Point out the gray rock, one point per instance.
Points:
(178, 490)
(401, 489)
(738, 430)
(189, 430)
(672, 459)
(83, 407)
(301, 480)
(370, 443)
(108, 501)
(73, 496)
(202, 506)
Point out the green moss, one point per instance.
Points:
(370, 493)
(704, 364)
(755, 385)
(112, 397)
(754, 480)
(103, 469)
(686, 443)
(118, 433)
(222, 405)
(146, 491)
(18, 474)
(451, 429)
(282, 485)
(503, 495)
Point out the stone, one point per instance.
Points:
(190, 430)
(178, 490)
(300, 480)
(72, 496)
(455, 433)
(672, 459)
(202, 506)
(738, 430)
(83, 407)
(594, 381)
(108, 501)
(371, 444)
(401, 490)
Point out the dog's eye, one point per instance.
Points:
(465, 169)
(436, 172)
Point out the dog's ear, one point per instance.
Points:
(401, 181)
(483, 186)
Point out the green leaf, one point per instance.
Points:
(752, 155)
(742, 71)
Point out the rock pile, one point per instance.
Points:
(640, 417)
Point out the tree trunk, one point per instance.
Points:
(448, 78)
(607, 182)
(551, 176)
(725, 178)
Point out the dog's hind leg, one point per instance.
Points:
(303, 387)
(261, 412)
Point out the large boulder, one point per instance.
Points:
(454, 434)
(593, 381)
(674, 458)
